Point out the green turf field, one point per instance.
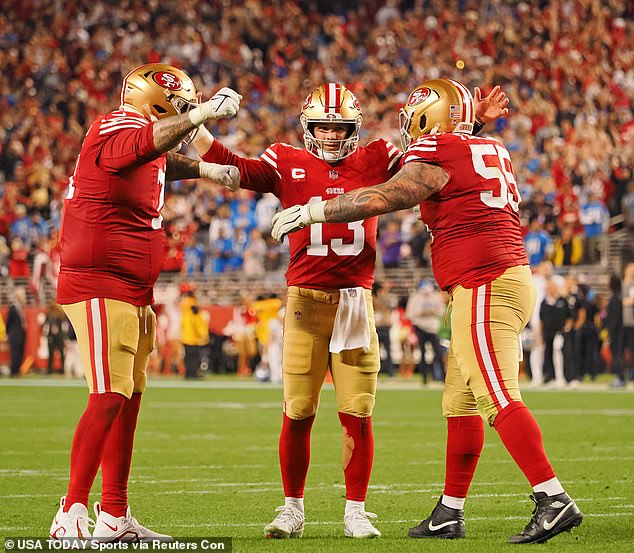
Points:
(206, 465)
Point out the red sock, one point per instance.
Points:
(465, 438)
(88, 444)
(522, 437)
(117, 457)
(295, 454)
(358, 454)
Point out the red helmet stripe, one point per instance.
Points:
(332, 99)
(467, 102)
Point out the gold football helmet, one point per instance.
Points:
(158, 90)
(331, 103)
(438, 105)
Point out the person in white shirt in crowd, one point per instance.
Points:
(254, 254)
(424, 309)
(543, 271)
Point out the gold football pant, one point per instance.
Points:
(308, 323)
(483, 362)
(115, 340)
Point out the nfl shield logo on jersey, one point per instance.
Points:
(334, 175)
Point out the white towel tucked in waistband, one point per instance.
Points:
(352, 326)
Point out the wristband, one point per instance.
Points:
(316, 211)
(478, 125)
(197, 116)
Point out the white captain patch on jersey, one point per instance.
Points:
(298, 173)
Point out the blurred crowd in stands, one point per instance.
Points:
(567, 65)
(576, 333)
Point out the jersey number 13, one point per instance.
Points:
(317, 246)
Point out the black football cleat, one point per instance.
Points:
(443, 523)
(552, 515)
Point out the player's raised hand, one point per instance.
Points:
(224, 103)
(492, 106)
(227, 175)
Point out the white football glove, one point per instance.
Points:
(297, 217)
(224, 103)
(227, 175)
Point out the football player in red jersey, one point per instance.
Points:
(466, 191)
(329, 319)
(112, 244)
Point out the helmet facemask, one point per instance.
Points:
(331, 103)
(322, 148)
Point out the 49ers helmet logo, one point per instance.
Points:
(307, 101)
(417, 96)
(167, 80)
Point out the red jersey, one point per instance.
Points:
(112, 241)
(474, 219)
(323, 256)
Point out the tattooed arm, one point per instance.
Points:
(181, 167)
(415, 182)
(171, 131)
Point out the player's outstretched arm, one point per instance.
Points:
(170, 132)
(183, 167)
(414, 183)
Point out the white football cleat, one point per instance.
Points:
(73, 524)
(122, 529)
(288, 524)
(357, 525)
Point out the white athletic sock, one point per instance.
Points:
(353, 506)
(550, 487)
(453, 502)
(297, 502)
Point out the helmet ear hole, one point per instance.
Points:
(423, 122)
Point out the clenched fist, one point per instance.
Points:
(224, 103)
(227, 175)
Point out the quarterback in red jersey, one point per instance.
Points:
(112, 245)
(329, 319)
(467, 195)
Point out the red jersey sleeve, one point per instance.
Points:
(425, 148)
(394, 156)
(255, 174)
(127, 140)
